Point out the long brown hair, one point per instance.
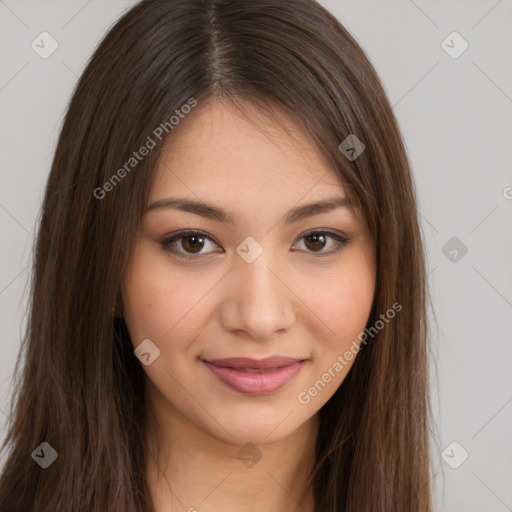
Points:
(79, 386)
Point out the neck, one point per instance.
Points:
(190, 470)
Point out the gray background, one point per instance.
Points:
(455, 115)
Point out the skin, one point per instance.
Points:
(290, 301)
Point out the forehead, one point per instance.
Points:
(220, 149)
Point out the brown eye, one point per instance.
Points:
(188, 244)
(315, 241)
(192, 243)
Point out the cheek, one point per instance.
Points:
(158, 304)
(344, 303)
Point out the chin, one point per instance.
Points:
(255, 425)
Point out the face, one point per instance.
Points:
(218, 290)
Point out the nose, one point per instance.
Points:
(258, 300)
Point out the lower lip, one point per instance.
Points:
(255, 383)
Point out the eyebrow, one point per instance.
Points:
(221, 215)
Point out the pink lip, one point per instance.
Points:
(274, 372)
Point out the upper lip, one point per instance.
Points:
(258, 364)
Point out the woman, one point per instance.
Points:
(228, 303)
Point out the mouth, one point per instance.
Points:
(255, 377)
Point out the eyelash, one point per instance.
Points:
(166, 244)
